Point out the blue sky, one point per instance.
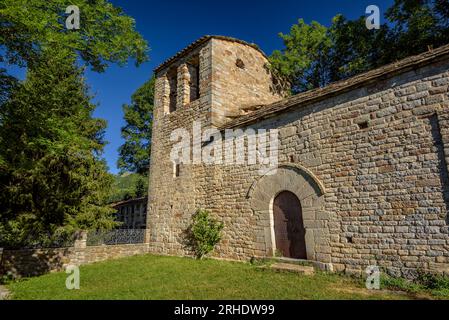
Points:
(169, 26)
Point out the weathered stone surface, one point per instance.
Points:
(35, 262)
(295, 268)
(374, 151)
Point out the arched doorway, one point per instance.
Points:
(289, 226)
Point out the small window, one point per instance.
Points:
(363, 125)
(208, 142)
(172, 76)
(194, 71)
(240, 64)
(176, 170)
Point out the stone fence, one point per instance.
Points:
(35, 262)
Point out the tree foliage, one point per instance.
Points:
(7, 83)
(128, 186)
(135, 152)
(417, 25)
(355, 48)
(52, 180)
(106, 34)
(313, 55)
(302, 60)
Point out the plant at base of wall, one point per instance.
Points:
(204, 233)
(434, 284)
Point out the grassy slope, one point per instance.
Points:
(153, 277)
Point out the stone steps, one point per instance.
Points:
(294, 261)
(308, 263)
(295, 268)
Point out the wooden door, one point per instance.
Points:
(288, 226)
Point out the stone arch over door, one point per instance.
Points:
(310, 192)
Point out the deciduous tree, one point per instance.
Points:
(315, 56)
(135, 152)
(106, 34)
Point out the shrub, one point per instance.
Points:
(205, 233)
(433, 281)
(402, 284)
(437, 285)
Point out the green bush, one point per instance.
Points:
(401, 284)
(433, 281)
(205, 233)
(437, 285)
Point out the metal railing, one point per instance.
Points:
(114, 237)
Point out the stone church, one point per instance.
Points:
(362, 177)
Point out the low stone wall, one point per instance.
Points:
(103, 253)
(35, 262)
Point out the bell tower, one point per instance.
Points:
(229, 75)
(212, 81)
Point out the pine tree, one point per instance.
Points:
(303, 61)
(52, 181)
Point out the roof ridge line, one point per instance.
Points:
(338, 87)
(200, 42)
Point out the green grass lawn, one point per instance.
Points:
(155, 277)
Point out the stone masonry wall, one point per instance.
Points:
(169, 210)
(370, 167)
(35, 262)
(385, 186)
(240, 79)
(174, 199)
